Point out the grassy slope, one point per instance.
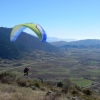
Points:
(9, 92)
(14, 92)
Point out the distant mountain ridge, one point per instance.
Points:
(24, 43)
(86, 43)
(54, 39)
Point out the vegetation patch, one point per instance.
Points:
(82, 82)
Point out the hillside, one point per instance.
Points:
(88, 43)
(24, 43)
(28, 89)
(58, 43)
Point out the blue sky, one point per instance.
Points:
(78, 19)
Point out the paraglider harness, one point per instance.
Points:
(26, 71)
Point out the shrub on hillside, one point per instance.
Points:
(60, 84)
(87, 92)
(36, 84)
(8, 78)
(74, 92)
(22, 82)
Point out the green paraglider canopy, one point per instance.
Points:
(36, 28)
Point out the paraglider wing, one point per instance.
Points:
(43, 33)
(37, 29)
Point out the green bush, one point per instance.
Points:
(59, 84)
(87, 92)
(74, 92)
(36, 84)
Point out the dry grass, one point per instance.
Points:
(9, 92)
(14, 92)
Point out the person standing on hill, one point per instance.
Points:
(26, 71)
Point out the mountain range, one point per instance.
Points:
(87, 43)
(24, 43)
(55, 39)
